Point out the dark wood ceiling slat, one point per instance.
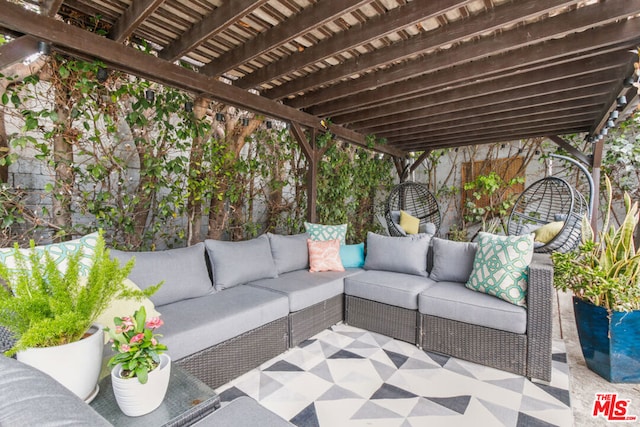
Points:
(218, 20)
(492, 20)
(607, 70)
(521, 37)
(310, 17)
(410, 14)
(132, 18)
(129, 60)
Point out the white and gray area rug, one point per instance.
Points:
(350, 377)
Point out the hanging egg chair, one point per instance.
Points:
(552, 210)
(416, 200)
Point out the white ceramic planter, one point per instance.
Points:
(135, 399)
(75, 365)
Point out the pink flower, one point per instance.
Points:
(154, 323)
(154, 341)
(127, 321)
(124, 348)
(137, 338)
(118, 329)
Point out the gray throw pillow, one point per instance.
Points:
(236, 263)
(289, 253)
(400, 254)
(184, 272)
(452, 261)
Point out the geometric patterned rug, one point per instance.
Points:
(346, 376)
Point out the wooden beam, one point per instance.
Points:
(218, 20)
(464, 29)
(522, 37)
(419, 160)
(536, 59)
(309, 18)
(17, 50)
(132, 18)
(376, 28)
(554, 90)
(510, 87)
(135, 62)
(587, 160)
(50, 7)
(313, 159)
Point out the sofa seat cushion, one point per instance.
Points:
(305, 289)
(29, 397)
(199, 323)
(455, 301)
(183, 271)
(398, 289)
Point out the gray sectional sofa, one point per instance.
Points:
(230, 306)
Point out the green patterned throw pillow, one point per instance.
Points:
(326, 232)
(59, 253)
(500, 267)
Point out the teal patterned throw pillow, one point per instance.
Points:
(59, 253)
(326, 232)
(500, 267)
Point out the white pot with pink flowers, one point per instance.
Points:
(140, 369)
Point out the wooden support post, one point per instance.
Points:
(313, 157)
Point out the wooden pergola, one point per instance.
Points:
(422, 74)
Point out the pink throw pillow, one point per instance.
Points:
(324, 255)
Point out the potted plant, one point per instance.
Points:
(51, 311)
(141, 369)
(604, 277)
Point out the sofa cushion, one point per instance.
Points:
(326, 232)
(59, 253)
(409, 223)
(196, 324)
(452, 261)
(400, 254)
(235, 263)
(352, 256)
(500, 266)
(29, 397)
(305, 289)
(289, 252)
(324, 256)
(184, 272)
(547, 232)
(456, 302)
(387, 287)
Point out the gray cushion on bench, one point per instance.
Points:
(289, 253)
(29, 397)
(387, 287)
(243, 411)
(452, 261)
(305, 289)
(183, 270)
(456, 302)
(236, 263)
(193, 325)
(400, 254)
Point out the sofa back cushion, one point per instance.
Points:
(289, 253)
(452, 261)
(235, 263)
(400, 254)
(183, 270)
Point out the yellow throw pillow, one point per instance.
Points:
(125, 307)
(547, 232)
(410, 224)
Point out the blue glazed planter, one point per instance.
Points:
(611, 348)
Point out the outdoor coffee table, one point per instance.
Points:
(187, 401)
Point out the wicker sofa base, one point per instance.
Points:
(223, 362)
(490, 347)
(307, 322)
(395, 322)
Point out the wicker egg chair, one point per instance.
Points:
(415, 199)
(547, 200)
